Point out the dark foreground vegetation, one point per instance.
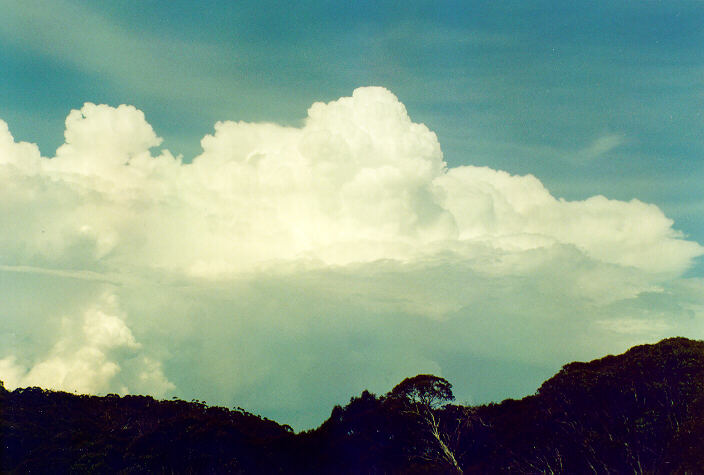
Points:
(640, 412)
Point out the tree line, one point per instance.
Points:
(639, 412)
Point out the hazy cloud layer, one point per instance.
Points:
(285, 269)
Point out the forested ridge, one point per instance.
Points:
(639, 412)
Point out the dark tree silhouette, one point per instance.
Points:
(425, 391)
(420, 398)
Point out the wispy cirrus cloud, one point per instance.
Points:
(601, 146)
(79, 37)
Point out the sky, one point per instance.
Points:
(278, 208)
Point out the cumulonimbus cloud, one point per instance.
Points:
(357, 201)
(358, 182)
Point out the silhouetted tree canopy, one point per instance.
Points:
(426, 390)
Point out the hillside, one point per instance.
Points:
(56, 432)
(642, 411)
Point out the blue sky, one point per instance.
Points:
(591, 98)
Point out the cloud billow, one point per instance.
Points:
(238, 276)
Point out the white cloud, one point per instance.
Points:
(84, 358)
(358, 182)
(322, 259)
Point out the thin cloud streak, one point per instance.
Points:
(63, 273)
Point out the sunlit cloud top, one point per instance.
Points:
(358, 182)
